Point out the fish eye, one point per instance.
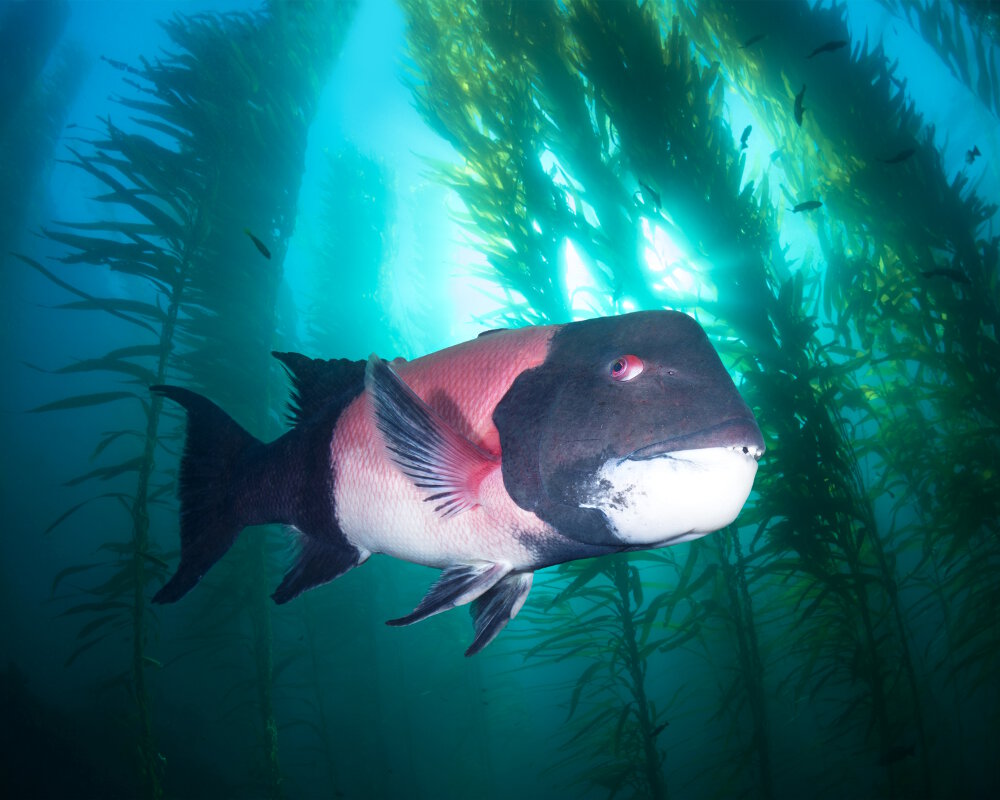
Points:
(625, 368)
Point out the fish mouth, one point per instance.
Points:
(738, 434)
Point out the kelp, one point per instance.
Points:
(221, 136)
(909, 281)
(563, 137)
(965, 34)
(621, 625)
(577, 130)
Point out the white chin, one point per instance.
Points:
(675, 497)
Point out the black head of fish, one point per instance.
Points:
(608, 414)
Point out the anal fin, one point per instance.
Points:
(494, 609)
(458, 584)
(319, 562)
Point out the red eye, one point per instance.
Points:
(624, 368)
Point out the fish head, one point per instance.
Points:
(631, 433)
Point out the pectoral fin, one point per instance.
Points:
(458, 584)
(423, 445)
(494, 609)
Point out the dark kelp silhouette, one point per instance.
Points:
(206, 163)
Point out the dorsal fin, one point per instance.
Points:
(317, 382)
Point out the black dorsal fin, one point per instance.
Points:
(317, 382)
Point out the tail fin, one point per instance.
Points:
(214, 488)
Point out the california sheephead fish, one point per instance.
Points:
(491, 459)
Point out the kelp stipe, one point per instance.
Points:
(183, 193)
(159, 250)
(608, 618)
(278, 58)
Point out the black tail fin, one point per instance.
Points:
(214, 488)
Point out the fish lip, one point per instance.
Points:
(738, 433)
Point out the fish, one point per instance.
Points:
(900, 157)
(752, 40)
(488, 460)
(745, 136)
(261, 247)
(896, 753)
(808, 205)
(970, 155)
(828, 47)
(955, 275)
(799, 108)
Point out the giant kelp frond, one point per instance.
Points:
(640, 170)
(217, 149)
(910, 280)
(965, 34)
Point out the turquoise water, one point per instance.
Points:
(816, 185)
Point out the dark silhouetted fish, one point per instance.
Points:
(799, 108)
(261, 247)
(752, 40)
(488, 460)
(900, 157)
(745, 137)
(808, 205)
(971, 155)
(828, 47)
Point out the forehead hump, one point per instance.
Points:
(646, 333)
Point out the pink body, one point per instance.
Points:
(380, 510)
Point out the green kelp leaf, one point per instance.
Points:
(143, 375)
(98, 623)
(128, 228)
(636, 584)
(581, 683)
(74, 570)
(122, 305)
(80, 293)
(622, 718)
(107, 473)
(83, 648)
(87, 608)
(603, 715)
(82, 400)
(109, 437)
(676, 641)
(168, 225)
(136, 351)
(69, 512)
(586, 574)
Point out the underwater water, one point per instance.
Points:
(188, 186)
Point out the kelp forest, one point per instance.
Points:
(816, 183)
